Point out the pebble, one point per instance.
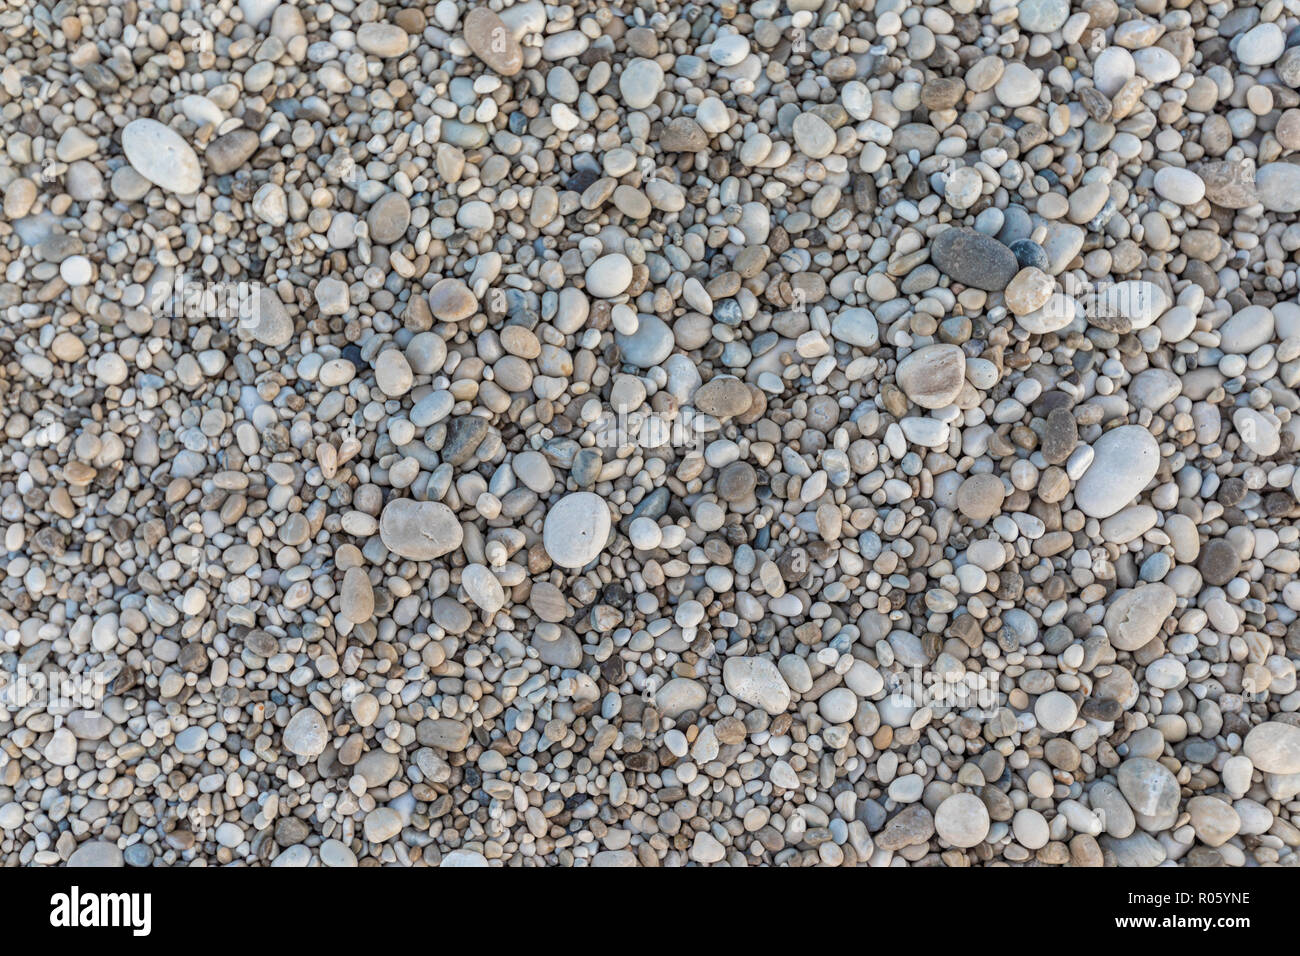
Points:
(523, 435)
(492, 41)
(1277, 185)
(1180, 186)
(419, 530)
(160, 155)
(813, 136)
(576, 529)
(1136, 616)
(932, 376)
(1260, 45)
(306, 735)
(962, 820)
(1274, 747)
(1042, 16)
(1124, 460)
(450, 300)
(756, 681)
(640, 83)
(229, 151)
(609, 276)
(974, 259)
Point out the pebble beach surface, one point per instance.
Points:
(792, 432)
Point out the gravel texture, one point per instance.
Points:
(783, 433)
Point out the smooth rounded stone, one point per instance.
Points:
(1181, 186)
(231, 150)
(1129, 524)
(96, 853)
(1042, 16)
(306, 734)
(813, 136)
(864, 680)
(1166, 673)
(1138, 302)
(712, 116)
(1218, 562)
(980, 497)
(723, 397)
(332, 296)
(1125, 459)
(419, 530)
(1031, 829)
(736, 481)
(160, 155)
(357, 596)
(1112, 68)
(483, 588)
(450, 300)
(61, 751)
(838, 705)
(576, 529)
(1156, 64)
(534, 471)
(1274, 747)
(88, 725)
(1019, 86)
(650, 344)
(729, 49)
(609, 276)
(1060, 436)
(1055, 712)
(1259, 432)
(492, 41)
(1028, 291)
(679, 695)
(20, 195)
(932, 376)
(1086, 202)
(76, 271)
(464, 859)
(926, 432)
(963, 187)
(614, 858)
(453, 617)
(1154, 388)
(706, 849)
(973, 259)
(1149, 787)
(382, 39)
(1214, 820)
(382, 824)
(1056, 312)
(388, 218)
(1278, 187)
(1027, 252)
(1261, 45)
(640, 83)
(962, 820)
(393, 373)
(335, 853)
(757, 682)
(1246, 331)
(856, 327)
(1138, 850)
(1135, 617)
